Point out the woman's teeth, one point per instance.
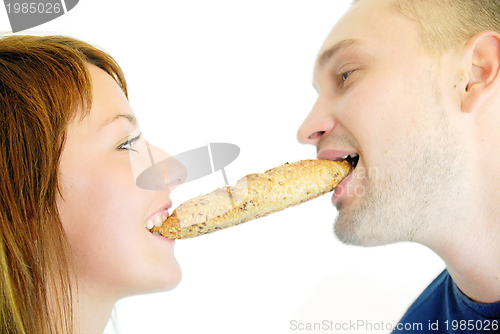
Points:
(156, 220)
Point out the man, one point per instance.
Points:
(413, 88)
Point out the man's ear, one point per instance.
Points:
(482, 70)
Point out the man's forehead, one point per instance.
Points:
(366, 22)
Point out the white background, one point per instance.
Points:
(240, 72)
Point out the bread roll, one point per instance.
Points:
(254, 196)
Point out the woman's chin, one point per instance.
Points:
(170, 280)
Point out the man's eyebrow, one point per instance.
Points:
(328, 54)
(129, 117)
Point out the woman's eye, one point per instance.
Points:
(129, 144)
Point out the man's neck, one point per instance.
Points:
(472, 254)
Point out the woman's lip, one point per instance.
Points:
(162, 211)
(157, 235)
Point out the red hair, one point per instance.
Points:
(44, 83)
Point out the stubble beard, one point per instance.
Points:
(416, 201)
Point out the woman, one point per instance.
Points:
(72, 218)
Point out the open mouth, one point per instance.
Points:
(156, 220)
(352, 159)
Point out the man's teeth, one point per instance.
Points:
(156, 220)
(347, 156)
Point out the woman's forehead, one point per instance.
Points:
(108, 100)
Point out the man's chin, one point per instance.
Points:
(358, 232)
(345, 231)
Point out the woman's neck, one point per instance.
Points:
(92, 311)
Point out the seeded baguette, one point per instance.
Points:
(254, 196)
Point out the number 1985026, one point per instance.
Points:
(25, 8)
(471, 325)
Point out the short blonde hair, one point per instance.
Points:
(444, 25)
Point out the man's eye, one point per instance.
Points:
(129, 144)
(344, 76)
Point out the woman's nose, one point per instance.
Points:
(317, 124)
(164, 173)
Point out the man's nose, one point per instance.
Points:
(318, 123)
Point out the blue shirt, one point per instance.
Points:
(443, 308)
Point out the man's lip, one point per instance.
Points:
(330, 154)
(333, 154)
(339, 191)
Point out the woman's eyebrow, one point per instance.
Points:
(129, 117)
